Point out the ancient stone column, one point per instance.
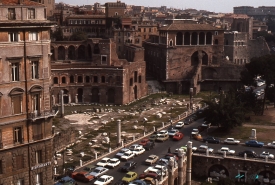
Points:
(189, 163)
(62, 103)
(180, 168)
(118, 132)
(171, 171)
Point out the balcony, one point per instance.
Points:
(41, 115)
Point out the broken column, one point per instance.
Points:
(62, 103)
(119, 132)
(180, 168)
(189, 163)
(171, 171)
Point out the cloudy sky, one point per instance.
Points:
(225, 6)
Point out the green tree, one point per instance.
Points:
(57, 35)
(79, 36)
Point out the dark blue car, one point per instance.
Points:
(254, 143)
(65, 181)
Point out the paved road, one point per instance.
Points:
(162, 148)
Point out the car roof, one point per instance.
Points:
(105, 176)
(99, 168)
(225, 148)
(230, 138)
(131, 172)
(114, 159)
(152, 155)
(105, 158)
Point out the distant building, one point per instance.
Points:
(261, 13)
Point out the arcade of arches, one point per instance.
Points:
(194, 38)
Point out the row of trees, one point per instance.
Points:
(234, 107)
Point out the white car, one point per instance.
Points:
(231, 141)
(103, 162)
(138, 151)
(171, 133)
(113, 162)
(179, 124)
(121, 152)
(135, 146)
(227, 150)
(203, 148)
(163, 132)
(269, 155)
(195, 131)
(104, 180)
(271, 145)
(162, 168)
(151, 159)
(127, 155)
(152, 169)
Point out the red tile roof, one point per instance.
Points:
(17, 2)
(191, 27)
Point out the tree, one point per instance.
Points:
(78, 36)
(57, 35)
(229, 112)
(263, 66)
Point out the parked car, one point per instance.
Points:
(178, 136)
(231, 141)
(169, 155)
(135, 146)
(254, 143)
(66, 180)
(265, 154)
(150, 145)
(150, 174)
(130, 176)
(113, 163)
(249, 153)
(226, 150)
(171, 133)
(144, 141)
(138, 182)
(195, 131)
(138, 151)
(210, 139)
(83, 176)
(162, 138)
(151, 159)
(104, 180)
(271, 145)
(179, 124)
(121, 152)
(203, 148)
(103, 162)
(163, 161)
(163, 132)
(97, 172)
(130, 165)
(153, 137)
(89, 168)
(197, 137)
(127, 155)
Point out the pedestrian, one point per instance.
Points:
(169, 150)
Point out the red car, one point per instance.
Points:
(178, 136)
(82, 176)
(144, 141)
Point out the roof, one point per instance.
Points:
(23, 2)
(182, 26)
(85, 16)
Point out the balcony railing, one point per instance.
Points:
(41, 115)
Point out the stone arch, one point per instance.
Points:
(53, 53)
(95, 95)
(218, 169)
(55, 80)
(63, 80)
(35, 89)
(81, 52)
(111, 95)
(195, 58)
(187, 38)
(194, 38)
(65, 96)
(179, 38)
(209, 38)
(266, 173)
(96, 49)
(209, 73)
(16, 91)
(89, 49)
(170, 43)
(79, 95)
(61, 53)
(71, 53)
(201, 38)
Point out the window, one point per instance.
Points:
(103, 59)
(103, 79)
(15, 71)
(13, 37)
(35, 70)
(45, 13)
(87, 79)
(36, 103)
(11, 13)
(19, 161)
(20, 182)
(79, 79)
(216, 33)
(55, 80)
(118, 80)
(18, 135)
(72, 79)
(1, 167)
(38, 179)
(95, 79)
(31, 13)
(131, 82)
(116, 14)
(16, 102)
(33, 36)
(38, 156)
(63, 80)
(135, 76)
(139, 79)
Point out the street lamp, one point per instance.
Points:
(144, 121)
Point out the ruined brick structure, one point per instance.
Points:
(25, 109)
(90, 72)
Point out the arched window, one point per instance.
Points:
(89, 48)
(71, 53)
(63, 80)
(103, 79)
(16, 100)
(55, 80)
(179, 38)
(208, 38)
(87, 79)
(194, 39)
(170, 43)
(81, 52)
(201, 38)
(61, 53)
(79, 79)
(71, 79)
(187, 38)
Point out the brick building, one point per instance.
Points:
(90, 72)
(25, 109)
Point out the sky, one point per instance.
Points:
(224, 6)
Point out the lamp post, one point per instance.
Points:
(191, 98)
(144, 121)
